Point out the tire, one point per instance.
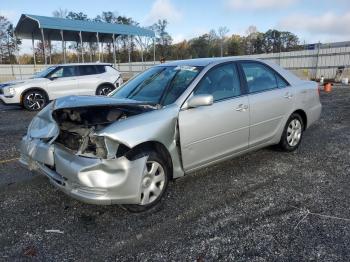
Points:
(104, 90)
(154, 184)
(34, 100)
(292, 133)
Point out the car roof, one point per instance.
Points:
(290, 77)
(206, 61)
(82, 64)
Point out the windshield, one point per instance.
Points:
(44, 72)
(158, 85)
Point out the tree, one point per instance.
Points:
(61, 13)
(280, 41)
(8, 42)
(163, 39)
(222, 31)
(77, 16)
(235, 45)
(200, 46)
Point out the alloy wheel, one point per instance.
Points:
(105, 91)
(35, 101)
(294, 132)
(153, 182)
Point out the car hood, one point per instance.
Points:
(91, 109)
(86, 101)
(22, 81)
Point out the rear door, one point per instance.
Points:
(88, 79)
(210, 133)
(63, 82)
(271, 101)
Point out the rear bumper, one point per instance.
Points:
(90, 180)
(314, 114)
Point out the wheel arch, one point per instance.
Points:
(303, 116)
(155, 146)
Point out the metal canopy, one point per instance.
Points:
(32, 26)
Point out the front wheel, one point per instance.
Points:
(292, 133)
(104, 90)
(34, 100)
(154, 182)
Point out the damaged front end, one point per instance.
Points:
(63, 143)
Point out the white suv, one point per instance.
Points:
(61, 80)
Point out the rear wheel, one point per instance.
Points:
(104, 90)
(34, 100)
(154, 182)
(292, 133)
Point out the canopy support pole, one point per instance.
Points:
(118, 50)
(17, 52)
(101, 51)
(90, 45)
(34, 58)
(81, 46)
(98, 47)
(154, 51)
(49, 43)
(63, 47)
(129, 53)
(43, 38)
(141, 47)
(114, 55)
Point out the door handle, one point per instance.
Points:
(288, 96)
(241, 108)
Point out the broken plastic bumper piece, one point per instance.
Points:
(91, 180)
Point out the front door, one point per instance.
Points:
(63, 82)
(209, 133)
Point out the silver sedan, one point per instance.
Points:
(168, 121)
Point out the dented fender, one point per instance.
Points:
(158, 125)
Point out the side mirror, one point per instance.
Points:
(200, 100)
(53, 78)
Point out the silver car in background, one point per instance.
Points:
(58, 81)
(168, 121)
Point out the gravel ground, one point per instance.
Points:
(266, 205)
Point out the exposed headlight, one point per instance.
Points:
(9, 91)
(43, 125)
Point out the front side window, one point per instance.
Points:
(45, 72)
(158, 85)
(281, 82)
(259, 77)
(65, 71)
(221, 82)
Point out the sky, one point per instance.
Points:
(311, 20)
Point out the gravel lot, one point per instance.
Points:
(266, 205)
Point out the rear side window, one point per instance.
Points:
(259, 77)
(221, 82)
(100, 69)
(87, 70)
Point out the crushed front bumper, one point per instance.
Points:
(91, 180)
